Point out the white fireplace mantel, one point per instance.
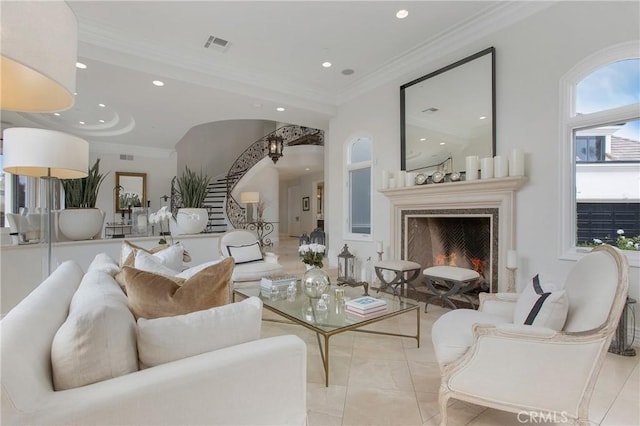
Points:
(483, 193)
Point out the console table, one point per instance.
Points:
(262, 229)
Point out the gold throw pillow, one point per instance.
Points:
(154, 296)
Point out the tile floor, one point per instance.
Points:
(382, 380)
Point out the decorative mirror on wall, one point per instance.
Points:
(449, 114)
(130, 190)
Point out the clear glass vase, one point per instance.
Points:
(315, 282)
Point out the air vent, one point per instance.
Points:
(216, 43)
(126, 157)
(430, 110)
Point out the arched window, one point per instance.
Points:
(359, 188)
(601, 148)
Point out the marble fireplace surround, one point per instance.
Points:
(497, 193)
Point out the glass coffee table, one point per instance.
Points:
(302, 310)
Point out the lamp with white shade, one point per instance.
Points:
(47, 154)
(249, 198)
(39, 54)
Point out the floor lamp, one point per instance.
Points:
(46, 154)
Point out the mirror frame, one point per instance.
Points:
(118, 185)
(488, 51)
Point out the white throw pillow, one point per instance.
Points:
(171, 257)
(541, 305)
(190, 272)
(166, 339)
(98, 340)
(152, 263)
(104, 263)
(245, 253)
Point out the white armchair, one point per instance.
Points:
(251, 263)
(486, 359)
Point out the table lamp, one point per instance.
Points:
(249, 198)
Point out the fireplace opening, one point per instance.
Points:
(463, 238)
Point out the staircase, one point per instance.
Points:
(215, 202)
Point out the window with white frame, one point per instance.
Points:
(359, 188)
(601, 143)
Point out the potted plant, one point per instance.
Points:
(81, 220)
(192, 217)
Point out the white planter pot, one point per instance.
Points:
(192, 221)
(81, 224)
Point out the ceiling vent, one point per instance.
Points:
(216, 43)
(126, 157)
(430, 110)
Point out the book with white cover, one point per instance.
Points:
(368, 314)
(365, 304)
(280, 281)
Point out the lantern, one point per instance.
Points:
(346, 267)
(275, 145)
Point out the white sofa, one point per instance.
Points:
(262, 381)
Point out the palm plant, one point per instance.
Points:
(83, 193)
(192, 188)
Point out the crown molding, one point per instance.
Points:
(501, 16)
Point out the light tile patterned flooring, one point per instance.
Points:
(383, 380)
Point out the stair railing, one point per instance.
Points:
(291, 135)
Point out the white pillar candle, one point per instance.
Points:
(512, 259)
(516, 163)
(471, 169)
(385, 179)
(486, 168)
(401, 177)
(411, 178)
(379, 246)
(392, 183)
(500, 166)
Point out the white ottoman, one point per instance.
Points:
(455, 280)
(401, 269)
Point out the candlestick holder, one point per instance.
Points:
(512, 280)
(380, 253)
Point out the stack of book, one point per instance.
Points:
(365, 307)
(280, 281)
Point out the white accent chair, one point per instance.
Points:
(529, 368)
(248, 272)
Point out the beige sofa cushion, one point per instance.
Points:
(153, 296)
(168, 339)
(98, 340)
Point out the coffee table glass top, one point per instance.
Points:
(304, 310)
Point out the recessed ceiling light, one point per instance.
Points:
(483, 118)
(158, 83)
(57, 114)
(75, 93)
(347, 71)
(423, 139)
(442, 143)
(101, 121)
(307, 169)
(82, 122)
(280, 109)
(326, 64)
(81, 66)
(101, 105)
(401, 14)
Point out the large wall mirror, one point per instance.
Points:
(131, 190)
(449, 114)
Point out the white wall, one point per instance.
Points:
(531, 57)
(159, 172)
(213, 147)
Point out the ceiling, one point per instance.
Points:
(273, 59)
